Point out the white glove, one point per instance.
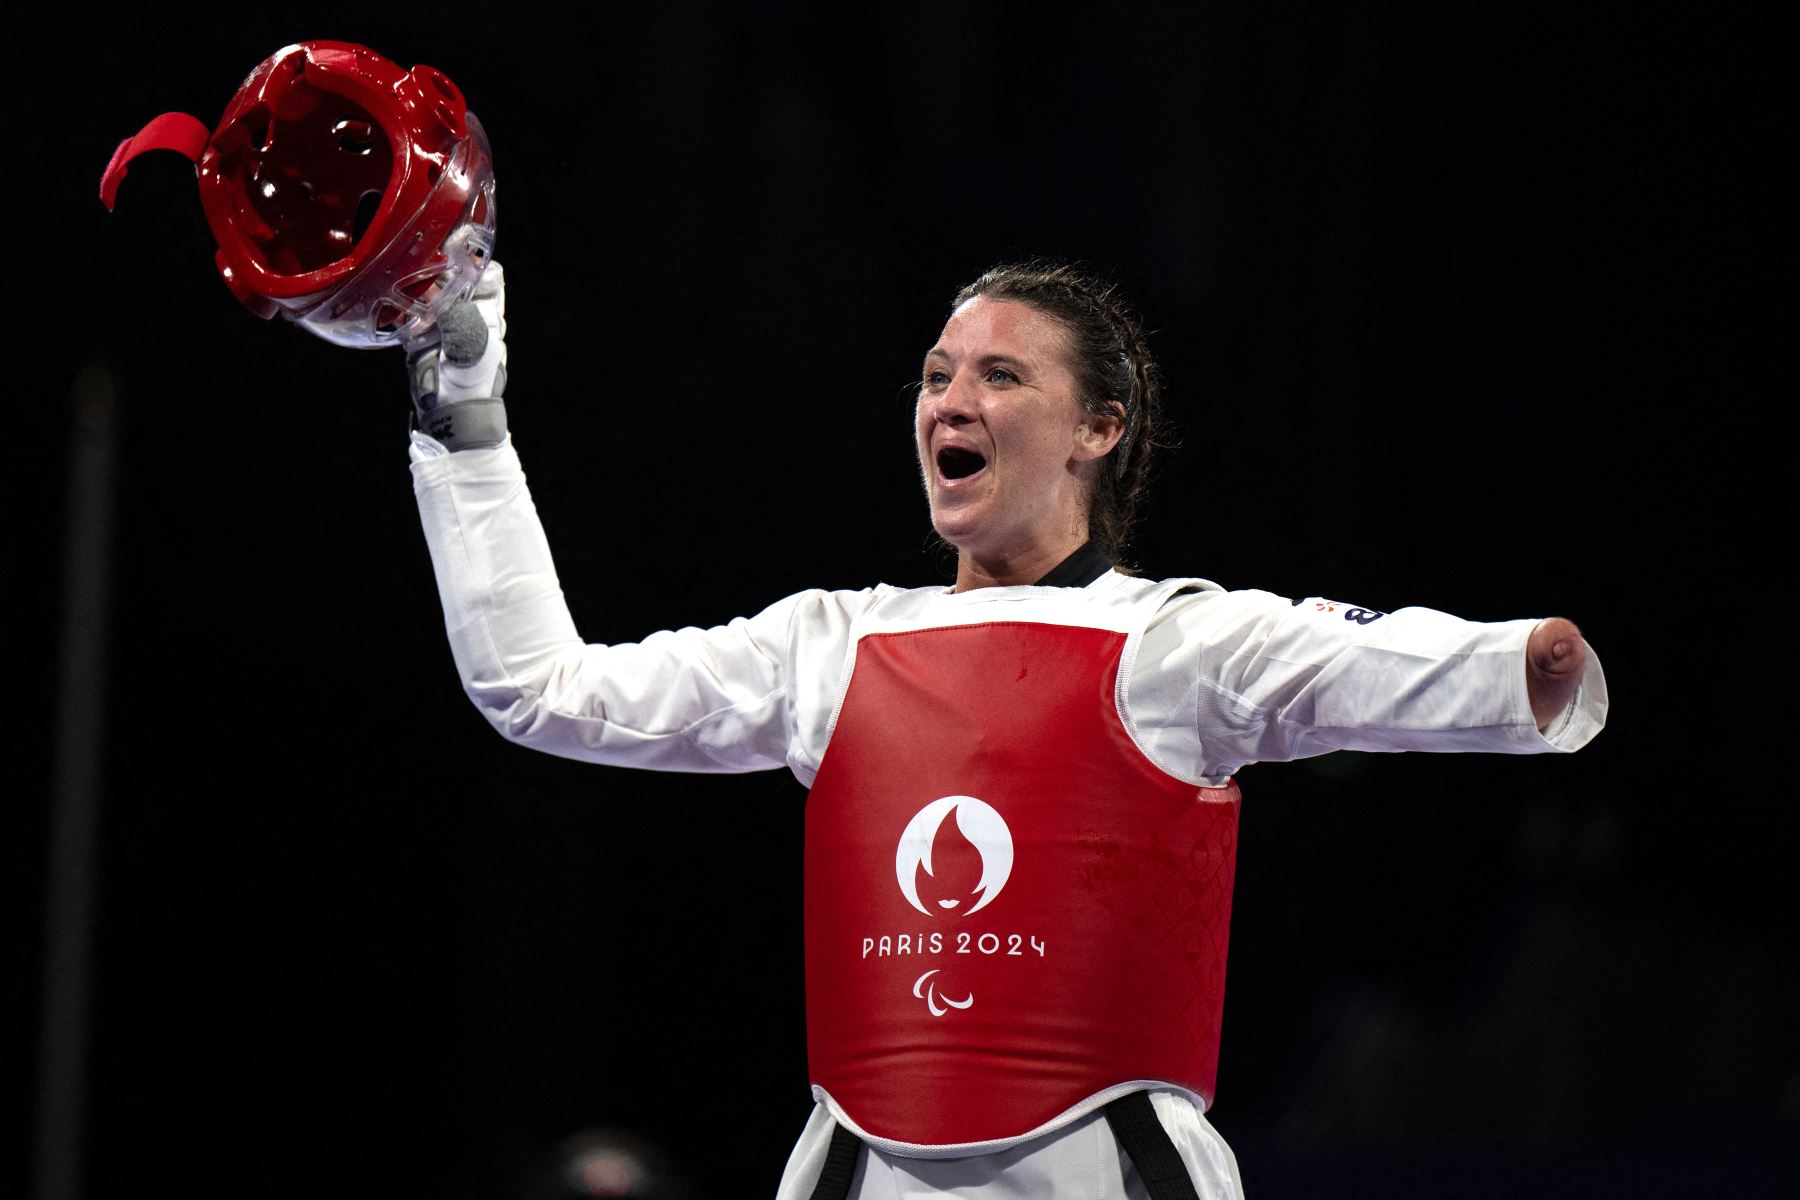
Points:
(458, 372)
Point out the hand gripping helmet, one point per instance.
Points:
(350, 196)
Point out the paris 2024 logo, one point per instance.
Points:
(953, 859)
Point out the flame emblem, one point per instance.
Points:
(980, 825)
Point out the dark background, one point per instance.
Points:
(1468, 306)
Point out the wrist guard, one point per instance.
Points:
(458, 375)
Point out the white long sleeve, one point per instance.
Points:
(1217, 679)
(1265, 679)
(720, 699)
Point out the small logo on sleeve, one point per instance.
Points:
(1362, 616)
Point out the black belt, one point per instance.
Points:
(1143, 1137)
(1134, 1125)
(840, 1165)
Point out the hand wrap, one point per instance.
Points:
(458, 372)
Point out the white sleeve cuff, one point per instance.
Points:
(1585, 716)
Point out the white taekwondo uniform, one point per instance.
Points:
(1207, 681)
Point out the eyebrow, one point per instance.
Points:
(986, 360)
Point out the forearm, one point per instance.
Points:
(509, 626)
(679, 700)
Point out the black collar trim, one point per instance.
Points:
(1079, 569)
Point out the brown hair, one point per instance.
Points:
(1111, 365)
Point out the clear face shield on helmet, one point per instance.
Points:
(352, 197)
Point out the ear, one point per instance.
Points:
(1097, 435)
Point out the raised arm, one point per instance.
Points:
(686, 700)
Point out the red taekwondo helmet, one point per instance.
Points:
(350, 196)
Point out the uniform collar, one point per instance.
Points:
(1088, 563)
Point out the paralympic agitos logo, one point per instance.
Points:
(953, 859)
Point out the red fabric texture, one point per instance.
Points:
(1098, 960)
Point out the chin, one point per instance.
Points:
(949, 534)
(953, 528)
(967, 537)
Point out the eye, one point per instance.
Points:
(1001, 375)
(936, 379)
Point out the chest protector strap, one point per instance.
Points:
(1012, 915)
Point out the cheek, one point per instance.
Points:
(1050, 441)
(922, 442)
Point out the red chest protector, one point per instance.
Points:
(1012, 915)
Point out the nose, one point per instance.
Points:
(955, 405)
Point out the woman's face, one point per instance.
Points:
(1003, 442)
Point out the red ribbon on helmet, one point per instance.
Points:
(172, 131)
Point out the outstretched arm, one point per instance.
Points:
(1265, 679)
(1555, 655)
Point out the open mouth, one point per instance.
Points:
(953, 462)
